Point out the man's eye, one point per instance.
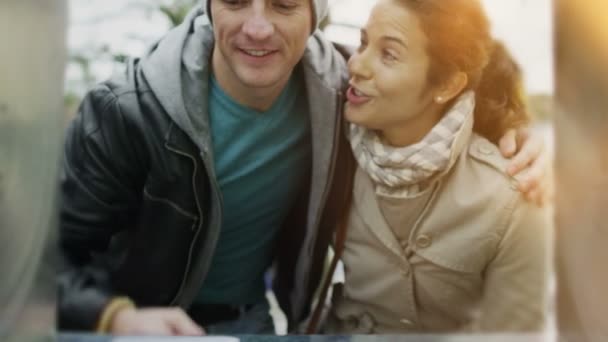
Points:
(234, 2)
(285, 5)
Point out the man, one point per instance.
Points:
(213, 158)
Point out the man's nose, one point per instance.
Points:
(258, 26)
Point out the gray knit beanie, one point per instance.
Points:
(319, 8)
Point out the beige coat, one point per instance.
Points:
(467, 254)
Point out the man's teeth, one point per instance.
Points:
(357, 92)
(258, 53)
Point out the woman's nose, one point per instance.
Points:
(358, 65)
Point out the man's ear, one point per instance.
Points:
(451, 87)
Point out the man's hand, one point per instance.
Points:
(530, 164)
(161, 321)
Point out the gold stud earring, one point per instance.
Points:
(439, 99)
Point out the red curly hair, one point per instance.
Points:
(459, 40)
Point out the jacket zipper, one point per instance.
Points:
(208, 249)
(198, 206)
(191, 249)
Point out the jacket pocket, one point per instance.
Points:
(347, 317)
(152, 198)
(468, 252)
(449, 276)
(158, 254)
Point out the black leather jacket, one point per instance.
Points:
(140, 207)
(136, 217)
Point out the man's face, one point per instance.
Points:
(259, 42)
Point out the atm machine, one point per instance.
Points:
(32, 63)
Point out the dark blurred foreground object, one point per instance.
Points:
(582, 169)
(32, 60)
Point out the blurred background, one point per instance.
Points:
(561, 45)
(103, 33)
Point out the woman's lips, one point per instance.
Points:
(356, 97)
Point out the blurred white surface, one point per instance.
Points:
(525, 26)
(177, 339)
(128, 26)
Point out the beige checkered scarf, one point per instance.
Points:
(403, 172)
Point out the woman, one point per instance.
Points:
(437, 238)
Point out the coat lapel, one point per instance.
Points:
(367, 205)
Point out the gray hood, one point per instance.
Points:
(177, 85)
(177, 70)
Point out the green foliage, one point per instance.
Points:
(70, 105)
(177, 11)
(85, 65)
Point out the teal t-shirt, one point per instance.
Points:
(261, 161)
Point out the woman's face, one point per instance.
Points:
(389, 72)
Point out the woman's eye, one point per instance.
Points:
(389, 56)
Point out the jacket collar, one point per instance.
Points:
(460, 143)
(366, 204)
